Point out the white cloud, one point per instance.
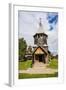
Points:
(53, 40)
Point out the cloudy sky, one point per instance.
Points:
(28, 23)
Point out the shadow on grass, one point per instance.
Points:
(26, 76)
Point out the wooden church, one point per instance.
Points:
(40, 52)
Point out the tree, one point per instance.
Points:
(22, 48)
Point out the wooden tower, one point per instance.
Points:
(41, 49)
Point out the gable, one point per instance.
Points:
(39, 51)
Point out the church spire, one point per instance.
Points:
(40, 28)
(40, 24)
(39, 36)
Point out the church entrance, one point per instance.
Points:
(40, 55)
(40, 58)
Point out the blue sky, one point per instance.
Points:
(28, 23)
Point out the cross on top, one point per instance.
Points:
(40, 24)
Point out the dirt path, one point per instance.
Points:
(39, 68)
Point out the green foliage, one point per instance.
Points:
(25, 64)
(25, 76)
(53, 64)
(22, 48)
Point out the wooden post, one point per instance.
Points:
(46, 59)
(33, 59)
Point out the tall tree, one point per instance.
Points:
(22, 48)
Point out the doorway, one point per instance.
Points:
(40, 58)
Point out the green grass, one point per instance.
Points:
(25, 76)
(53, 64)
(25, 64)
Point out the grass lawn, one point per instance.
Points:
(25, 76)
(53, 64)
(24, 65)
(27, 64)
